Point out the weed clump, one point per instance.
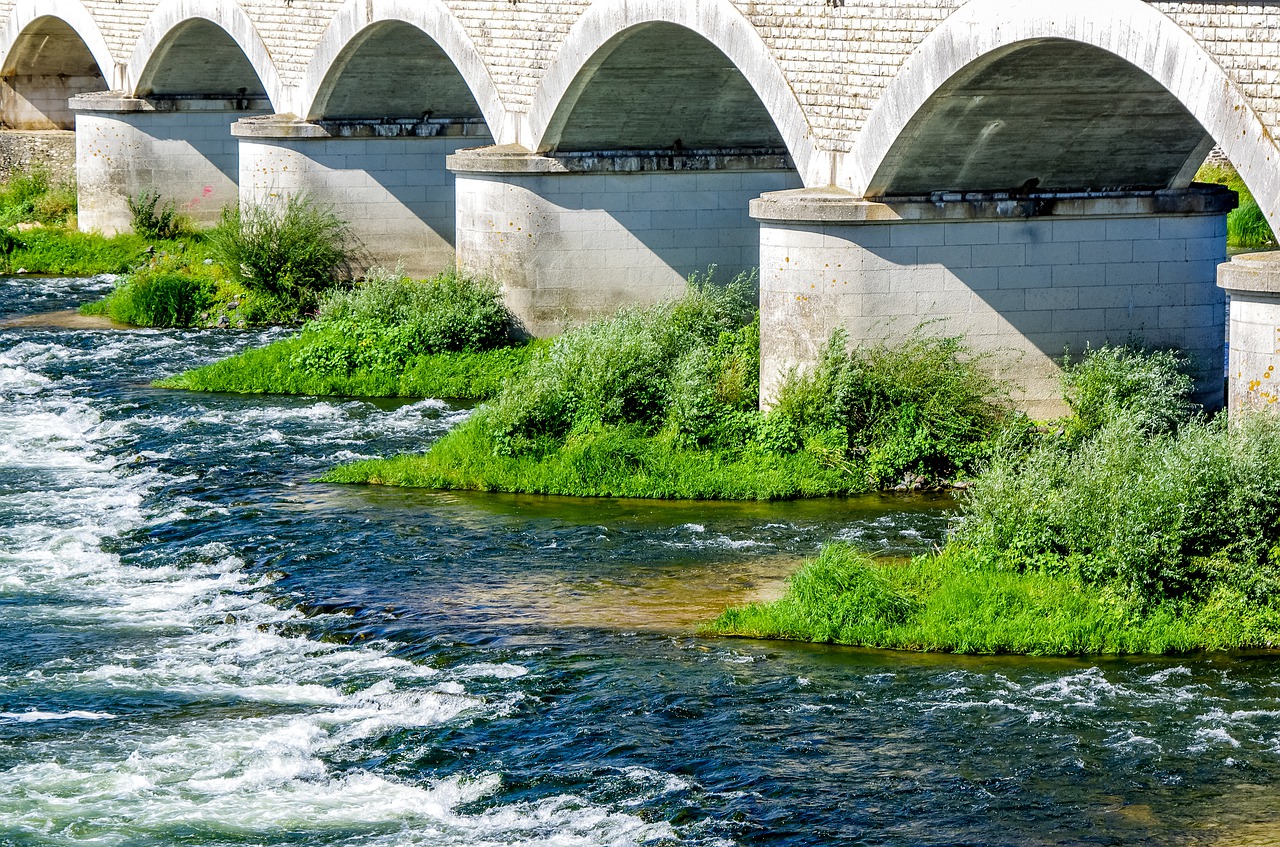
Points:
(151, 219)
(449, 336)
(292, 253)
(30, 196)
(157, 299)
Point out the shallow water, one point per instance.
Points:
(201, 646)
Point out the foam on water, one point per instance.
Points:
(225, 721)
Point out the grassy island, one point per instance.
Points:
(389, 336)
(1137, 526)
(663, 402)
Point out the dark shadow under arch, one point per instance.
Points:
(394, 70)
(660, 86)
(1048, 115)
(198, 58)
(48, 64)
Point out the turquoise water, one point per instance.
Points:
(201, 646)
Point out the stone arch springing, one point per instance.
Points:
(1171, 100)
(203, 49)
(51, 54)
(607, 48)
(455, 80)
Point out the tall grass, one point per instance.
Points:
(390, 336)
(30, 195)
(664, 402)
(157, 299)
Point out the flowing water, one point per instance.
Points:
(200, 646)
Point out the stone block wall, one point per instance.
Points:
(189, 157)
(396, 193)
(572, 247)
(54, 149)
(1022, 291)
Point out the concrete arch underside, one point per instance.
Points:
(203, 48)
(606, 29)
(444, 55)
(51, 53)
(1113, 94)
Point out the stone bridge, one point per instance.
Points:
(1019, 173)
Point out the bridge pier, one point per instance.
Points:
(1021, 279)
(386, 178)
(180, 146)
(1253, 369)
(574, 236)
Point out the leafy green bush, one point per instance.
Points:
(157, 299)
(294, 252)
(149, 223)
(623, 371)
(923, 406)
(1150, 387)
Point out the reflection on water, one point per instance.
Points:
(205, 647)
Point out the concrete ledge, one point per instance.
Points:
(1251, 272)
(292, 127)
(118, 101)
(835, 205)
(514, 159)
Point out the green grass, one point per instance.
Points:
(951, 603)
(274, 370)
(1247, 227)
(30, 196)
(67, 252)
(609, 462)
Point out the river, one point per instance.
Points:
(201, 646)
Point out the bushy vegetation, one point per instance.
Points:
(390, 336)
(1136, 526)
(663, 402)
(30, 195)
(156, 298)
(291, 253)
(1247, 227)
(152, 219)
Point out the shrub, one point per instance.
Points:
(158, 299)
(294, 252)
(29, 195)
(1150, 387)
(1247, 227)
(923, 406)
(632, 370)
(149, 223)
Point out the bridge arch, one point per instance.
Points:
(614, 28)
(52, 50)
(350, 60)
(233, 59)
(955, 74)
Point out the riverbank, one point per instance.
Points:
(1138, 527)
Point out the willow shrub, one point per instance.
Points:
(291, 252)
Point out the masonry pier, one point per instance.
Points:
(181, 147)
(1252, 281)
(574, 236)
(387, 178)
(1020, 279)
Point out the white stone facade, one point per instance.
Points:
(1023, 292)
(189, 157)
(568, 247)
(395, 192)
